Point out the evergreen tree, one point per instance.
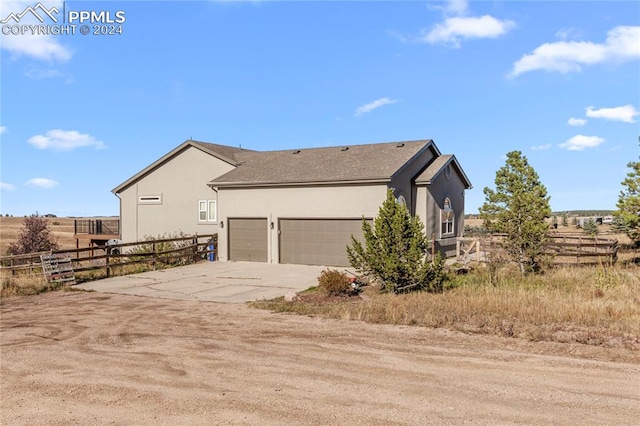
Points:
(565, 219)
(518, 207)
(395, 251)
(628, 213)
(590, 227)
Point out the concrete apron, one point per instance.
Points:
(226, 282)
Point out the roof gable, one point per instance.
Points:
(364, 163)
(437, 166)
(222, 152)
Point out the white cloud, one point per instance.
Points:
(541, 147)
(41, 183)
(42, 47)
(3, 130)
(457, 26)
(65, 140)
(452, 7)
(373, 105)
(453, 30)
(581, 142)
(6, 186)
(576, 121)
(620, 46)
(622, 113)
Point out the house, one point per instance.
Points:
(293, 206)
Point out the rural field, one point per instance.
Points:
(61, 227)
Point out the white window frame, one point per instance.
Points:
(207, 210)
(447, 219)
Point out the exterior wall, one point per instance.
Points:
(402, 182)
(342, 202)
(430, 201)
(180, 183)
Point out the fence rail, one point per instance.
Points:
(561, 249)
(163, 252)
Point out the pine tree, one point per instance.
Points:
(628, 213)
(395, 251)
(518, 208)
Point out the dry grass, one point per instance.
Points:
(61, 227)
(26, 285)
(596, 306)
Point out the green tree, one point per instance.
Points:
(395, 251)
(34, 237)
(565, 219)
(628, 213)
(518, 207)
(590, 227)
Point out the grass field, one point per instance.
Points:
(61, 227)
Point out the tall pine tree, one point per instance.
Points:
(518, 207)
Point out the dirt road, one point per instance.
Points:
(92, 358)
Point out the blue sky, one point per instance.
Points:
(80, 114)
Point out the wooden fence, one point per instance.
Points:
(560, 249)
(152, 253)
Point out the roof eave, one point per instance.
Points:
(238, 185)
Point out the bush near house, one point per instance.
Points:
(395, 251)
(334, 283)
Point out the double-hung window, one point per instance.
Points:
(447, 219)
(207, 211)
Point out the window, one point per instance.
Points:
(207, 211)
(447, 217)
(150, 199)
(401, 200)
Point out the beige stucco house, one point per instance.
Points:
(293, 206)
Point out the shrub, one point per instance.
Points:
(34, 237)
(395, 251)
(334, 283)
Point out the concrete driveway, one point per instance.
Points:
(227, 282)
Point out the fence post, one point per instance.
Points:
(153, 258)
(108, 263)
(195, 249)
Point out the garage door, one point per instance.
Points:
(317, 241)
(248, 239)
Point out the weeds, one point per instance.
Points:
(595, 306)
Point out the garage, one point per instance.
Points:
(317, 241)
(248, 239)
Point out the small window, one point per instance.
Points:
(447, 219)
(150, 199)
(207, 211)
(401, 200)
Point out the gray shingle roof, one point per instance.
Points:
(332, 164)
(227, 152)
(437, 166)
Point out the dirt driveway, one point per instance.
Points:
(95, 358)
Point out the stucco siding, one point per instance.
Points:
(402, 182)
(320, 202)
(174, 190)
(440, 189)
